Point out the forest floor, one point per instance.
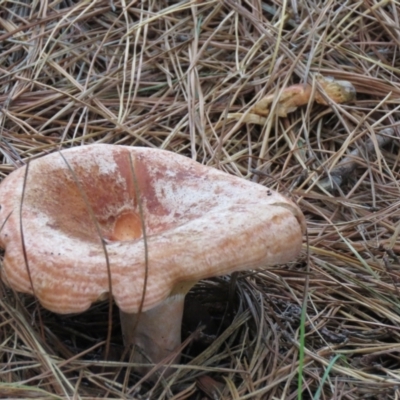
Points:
(186, 77)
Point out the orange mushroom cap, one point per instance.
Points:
(199, 223)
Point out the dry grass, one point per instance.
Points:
(166, 75)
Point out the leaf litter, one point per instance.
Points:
(170, 75)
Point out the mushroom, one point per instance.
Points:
(298, 95)
(301, 94)
(163, 221)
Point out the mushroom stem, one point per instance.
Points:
(157, 332)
